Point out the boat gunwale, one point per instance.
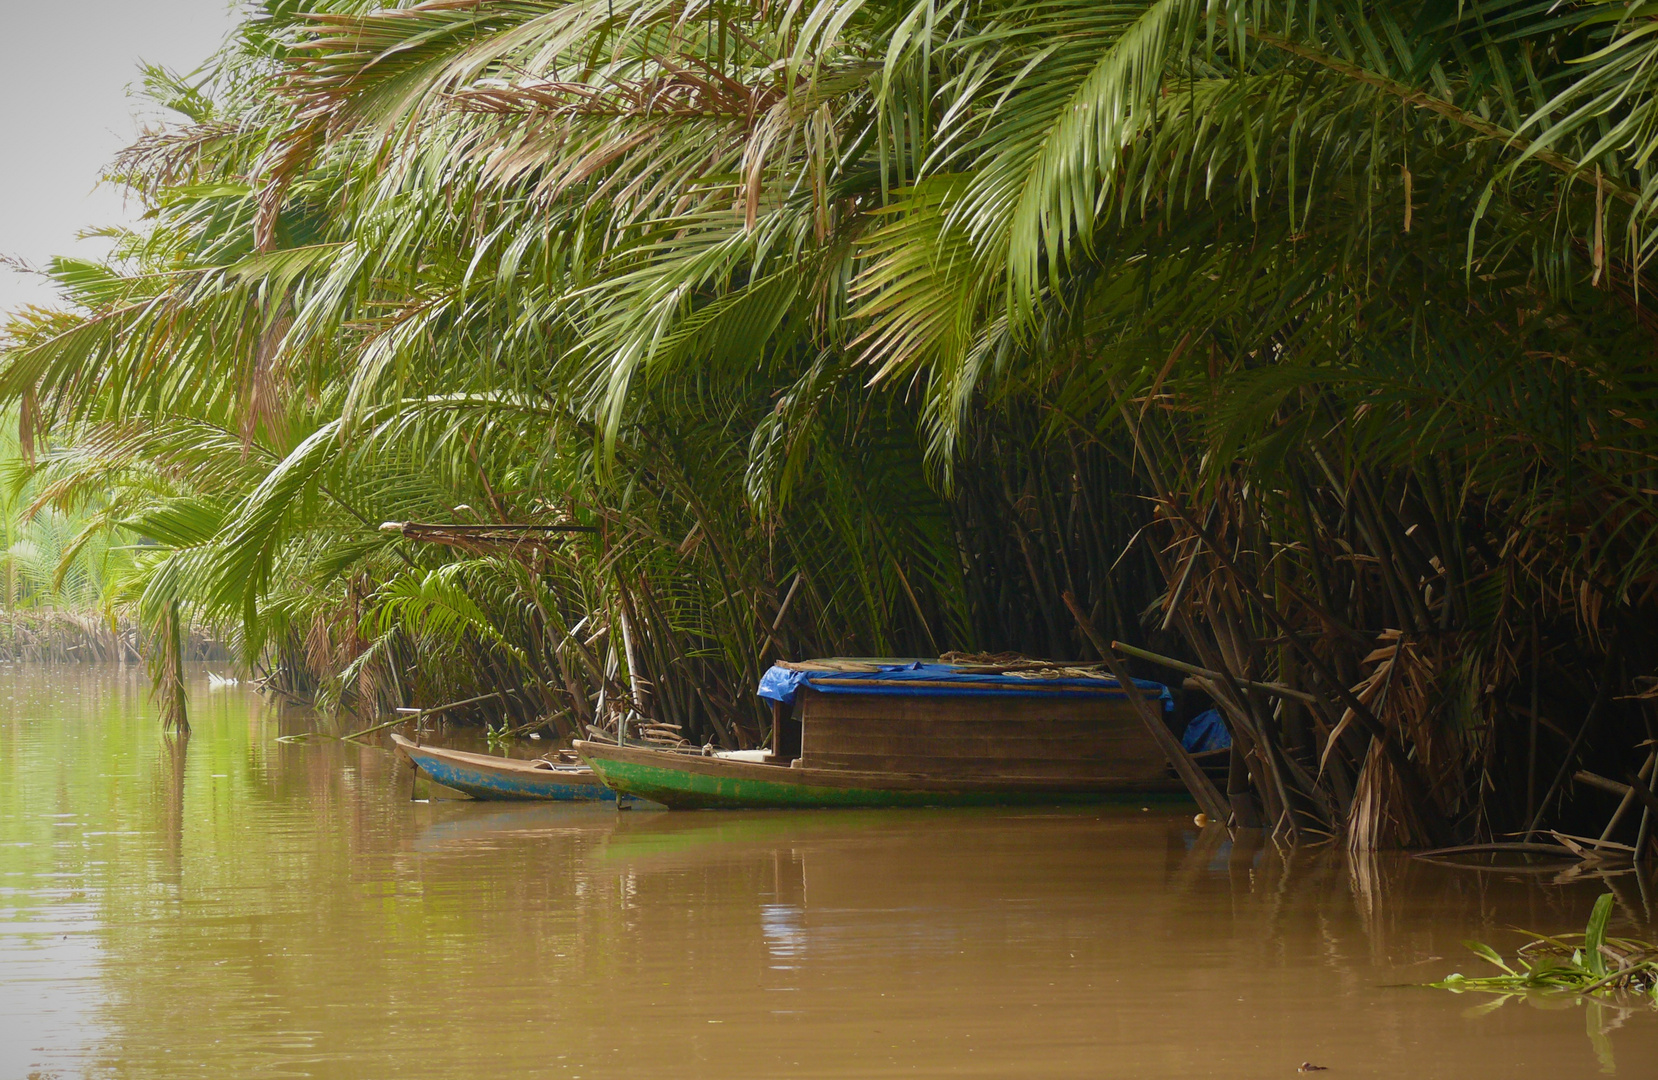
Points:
(409, 748)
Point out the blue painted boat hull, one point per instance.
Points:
(483, 776)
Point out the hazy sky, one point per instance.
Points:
(65, 66)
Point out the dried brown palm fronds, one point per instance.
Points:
(697, 90)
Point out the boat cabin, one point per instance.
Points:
(1031, 720)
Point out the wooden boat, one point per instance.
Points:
(484, 776)
(920, 735)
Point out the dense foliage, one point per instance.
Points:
(51, 559)
(1308, 342)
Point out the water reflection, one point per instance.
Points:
(170, 788)
(238, 906)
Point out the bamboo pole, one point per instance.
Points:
(1629, 797)
(1602, 696)
(1644, 792)
(422, 714)
(1584, 776)
(1531, 736)
(1214, 676)
(1197, 782)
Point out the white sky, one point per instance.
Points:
(65, 66)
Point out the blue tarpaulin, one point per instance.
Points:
(781, 684)
(1207, 731)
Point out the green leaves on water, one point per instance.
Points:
(1594, 936)
(1591, 964)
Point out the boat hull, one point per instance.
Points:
(685, 781)
(503, 779)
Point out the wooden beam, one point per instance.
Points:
(1584, 776)
(1215, 676)
(1196, 780)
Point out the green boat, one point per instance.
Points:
(685, 781)
(872, 734)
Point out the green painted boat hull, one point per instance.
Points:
(681, 781)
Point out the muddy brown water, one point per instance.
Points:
(241, 907)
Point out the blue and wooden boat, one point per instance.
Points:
(484, 776)
(876, 733)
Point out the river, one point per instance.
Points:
(236, 906)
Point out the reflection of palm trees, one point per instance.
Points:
(175, 751)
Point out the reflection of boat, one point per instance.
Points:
(460, 824)
(484, 776)
(664, 837)
(912, 734)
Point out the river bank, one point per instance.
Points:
(89, 637)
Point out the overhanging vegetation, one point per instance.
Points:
(1306, 344)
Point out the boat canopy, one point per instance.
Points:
(921, 678)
